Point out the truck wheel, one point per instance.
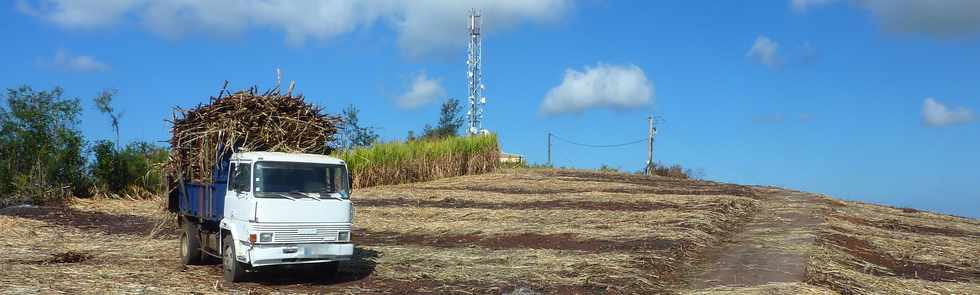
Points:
(326, 269)
(234, 271)
(190, 245)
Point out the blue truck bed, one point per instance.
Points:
(201, 200)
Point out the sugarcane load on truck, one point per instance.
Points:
(252, 185)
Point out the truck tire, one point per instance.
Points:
(234, 271)
(190, 245)
(328, 269)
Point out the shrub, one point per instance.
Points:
(675, 171)
(41, 156)
(133, 170)
(607, 168)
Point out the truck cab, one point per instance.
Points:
(268, 208)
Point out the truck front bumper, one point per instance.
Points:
(261, 255)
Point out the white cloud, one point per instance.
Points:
(609, 86)
(434, 25)
(298, 20)
(65, 61)
(78, 14)
(804, 5)
(766, 52)
(947, 18)
(422, 91)
(422, 26)
(937, 18)
(936, 114)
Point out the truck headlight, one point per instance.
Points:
(343, 236)
(265, 237)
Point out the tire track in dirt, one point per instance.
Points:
(771, 248)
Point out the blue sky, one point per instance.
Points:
(868, 100)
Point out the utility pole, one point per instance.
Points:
(549, 149)
(652, 131)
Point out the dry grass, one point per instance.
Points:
(411, 194)
(768, 289)
(515, 211)
(35, 248)
(697, 226)
(128, 246)
(502, 267)
(593, 242)
(870, 249)
(527, 187)
(564, 181)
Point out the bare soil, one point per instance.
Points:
(771, 248)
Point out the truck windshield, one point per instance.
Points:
(308, 178)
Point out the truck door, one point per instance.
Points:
(239, 204)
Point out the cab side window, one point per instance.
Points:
(241, 173)
(338, 179)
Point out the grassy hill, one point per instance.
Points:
(531, 230)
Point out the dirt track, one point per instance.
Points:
(772, 248)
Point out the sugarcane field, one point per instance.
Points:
(367, 147)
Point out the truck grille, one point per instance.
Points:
(302, 233)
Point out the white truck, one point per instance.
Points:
(267, 208)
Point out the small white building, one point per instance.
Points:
(508, 158)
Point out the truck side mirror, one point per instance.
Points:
(233, 183)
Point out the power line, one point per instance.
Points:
(597, 145)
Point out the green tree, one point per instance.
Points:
(450, 120)
(106, 168)
(352, 133)
(40, 146)
(142, 162)
(115, 170)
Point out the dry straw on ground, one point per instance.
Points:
(494, 241)
(580, 249)
(871, 249)
(246, 121)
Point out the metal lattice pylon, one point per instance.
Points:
(474, 75)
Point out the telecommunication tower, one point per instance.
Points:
(474, 75)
